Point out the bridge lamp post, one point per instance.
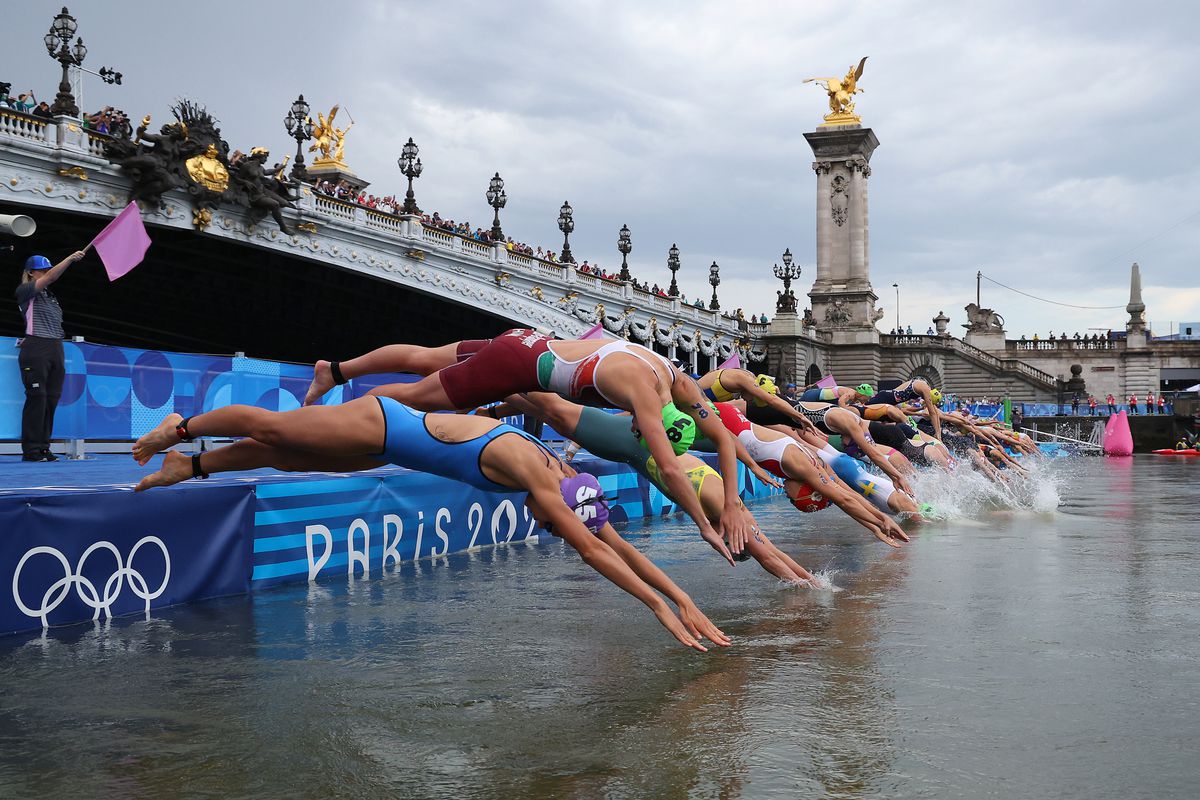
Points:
(714, 277)
(299, 127)
(673, 265)
(566, 224)
(497, 199)
(410, 165)
(625, 246)
(896, 286)
(58, 45)
(787, 273)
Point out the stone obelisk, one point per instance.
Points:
(843, 302)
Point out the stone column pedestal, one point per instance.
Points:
(843, 301)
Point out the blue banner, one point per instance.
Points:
(359, 525)
(64, 560)
(122, 392)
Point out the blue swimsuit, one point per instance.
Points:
(408, 443)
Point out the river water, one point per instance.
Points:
(1036, 643)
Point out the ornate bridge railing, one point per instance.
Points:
(57, 164)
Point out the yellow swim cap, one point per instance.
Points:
(767, 384)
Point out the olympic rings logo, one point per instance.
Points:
(57, 592)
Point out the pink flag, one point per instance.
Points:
(123, 244)
(733, 362)
(597, 332)
(826, 383)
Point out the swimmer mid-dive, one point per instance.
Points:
(763, 403)
(911, 390)
(804, 473)
(371, 431)
(606, 373)
(838, 395)
(610, 437)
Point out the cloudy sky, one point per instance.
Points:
(1047, 145)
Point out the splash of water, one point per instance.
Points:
(822, 580)
(965, 493)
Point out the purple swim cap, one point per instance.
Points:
(583, 495)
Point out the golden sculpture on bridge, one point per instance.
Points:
(841, 93)
(329, 139)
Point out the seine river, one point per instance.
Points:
(1037, 644)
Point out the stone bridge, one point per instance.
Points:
(56, 172)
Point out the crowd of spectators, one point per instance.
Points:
(25, 102)
(1062, 337)
(342, 190)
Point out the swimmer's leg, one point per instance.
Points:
(349, 429)
(390, 358)
(249, 454)
(426, 394)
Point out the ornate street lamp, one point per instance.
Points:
(410, 165)
(299, 127)
(787, 273)
(497, 199)
(625, 247)
(58, 45)
(673, 265)
(566, 224)
(714, 277)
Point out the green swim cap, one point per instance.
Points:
(865, 389)
(680, 428)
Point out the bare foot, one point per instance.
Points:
(157, 440)
(176, 467)
(322, 382)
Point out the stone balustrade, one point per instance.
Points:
(34, 151)
(1049, 345)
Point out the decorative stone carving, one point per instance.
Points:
(839, 200)
(837, 314)
(982, 320)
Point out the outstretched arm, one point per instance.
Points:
(55, 272)
(648, 415)
(753, 391)
(855, 432)
(697, 623)
(548, 507)
(736, 522)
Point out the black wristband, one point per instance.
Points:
(335, 369)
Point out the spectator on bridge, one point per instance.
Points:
(1075, 404)
(908, 332)
(930, 331)
(43, 110)
(1133, 404)
(1035, 337)
(25, 102)
(1112, 404)
(1162, 403)
(893, 333)
(41, 358)
(1092, 405)
(1150, 402)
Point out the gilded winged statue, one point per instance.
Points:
(841, 93)
(327, 138)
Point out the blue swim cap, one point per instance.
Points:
(37, 262)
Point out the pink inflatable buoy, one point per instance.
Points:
(1118, 439)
